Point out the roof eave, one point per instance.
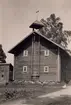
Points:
(12, 51)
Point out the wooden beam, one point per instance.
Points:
(32, 53)
(13, 74)
(59, 66)
(39, 54)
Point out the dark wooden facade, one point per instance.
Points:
(36, 44)
(6, 73)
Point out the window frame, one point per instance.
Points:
(24, 70)
(45, 52)
(25, 53)
(47, 69)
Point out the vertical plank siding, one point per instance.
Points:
(65, 67)
(35, 61)
(21, 61)
(50, 61)
(5, 73)
(59, 66)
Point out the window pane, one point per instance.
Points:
(25, 53)
(46, 52)
(46, 68)
(24, 68)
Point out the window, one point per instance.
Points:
(46, 53)
(25, 53)
(46, 69)
(24, 68)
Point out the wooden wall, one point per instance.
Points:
(65, 67)
(50, 61)
(4, 72)
(40, 61)
(20, 61)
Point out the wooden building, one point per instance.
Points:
(6, 73)
(38, 58)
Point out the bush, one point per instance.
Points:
(10, 94)
(13, 93)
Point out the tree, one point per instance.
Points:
(2, 55)
(53, 29)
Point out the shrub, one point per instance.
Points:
(10, 94)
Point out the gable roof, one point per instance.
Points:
(35, 32)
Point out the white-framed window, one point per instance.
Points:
(24, 68)
(25, 53)
(46, 52)
(46, 69)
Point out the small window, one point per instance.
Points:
(46, 69)
(25, 53)
(24, 68)
(46, 53)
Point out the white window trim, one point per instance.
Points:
(23, 69)
(47, 69)
(45, 53)
(25, 53)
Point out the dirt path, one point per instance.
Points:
(62, 92)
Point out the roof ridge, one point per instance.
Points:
(61, 47)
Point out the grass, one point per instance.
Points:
(28, 91)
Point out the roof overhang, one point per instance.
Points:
(35, 32)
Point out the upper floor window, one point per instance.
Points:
(25, 53)
(24, 68)
(46, 52)
(46, 69)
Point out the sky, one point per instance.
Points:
(17, 15)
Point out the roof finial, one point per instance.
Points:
(36, 24)
(37, 12)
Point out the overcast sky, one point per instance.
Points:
(17, 15)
